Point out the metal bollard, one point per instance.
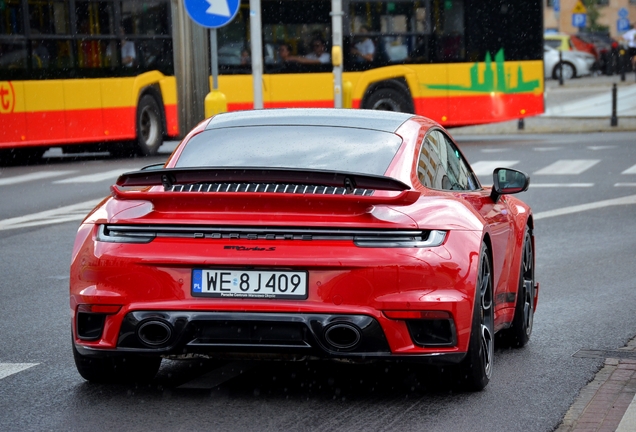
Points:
(521, 124)
(614, 119)
(560, 68)
(622, 64)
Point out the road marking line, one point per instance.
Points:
(92, 178)
(557, 185)
(628, 200)
(75, 212)
(601, 147)
(565, 167)
(631, 170)
(7, 369)
(487, 167)
(218, 376)
(33, 176)
(546, 149)
(625, 185)
(495, 150)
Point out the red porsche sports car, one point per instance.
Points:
(305, 234)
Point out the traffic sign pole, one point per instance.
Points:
(215, 59)
(257, 52)
(213, 14)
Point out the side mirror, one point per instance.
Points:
(508, 181)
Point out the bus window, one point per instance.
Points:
(409, 32)
(11, 19)
(49, 17)
(233, 45)
(146, 18)
(299, 25)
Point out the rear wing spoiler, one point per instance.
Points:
(171, 178)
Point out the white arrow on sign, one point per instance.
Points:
(218, 7)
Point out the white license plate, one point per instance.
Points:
(249, 284)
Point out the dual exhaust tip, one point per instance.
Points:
(339, 336)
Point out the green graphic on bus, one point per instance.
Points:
(494, 79)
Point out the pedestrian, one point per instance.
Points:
(630, 38)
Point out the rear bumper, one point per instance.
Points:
(292, 336)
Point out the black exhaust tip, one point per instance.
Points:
(154, 333)
(342, 336)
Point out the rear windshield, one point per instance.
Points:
(304, 147)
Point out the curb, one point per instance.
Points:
(543, 124)
(607, 403)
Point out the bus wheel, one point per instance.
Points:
(149, 129)
(388, 99)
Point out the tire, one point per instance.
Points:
(149, 126)
(388, 99)
(518, 335)
(475, 370)
(125, 369)
(569, 71)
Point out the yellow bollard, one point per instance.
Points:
(215, 103)
(347, 94)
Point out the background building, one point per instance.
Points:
(609, 15)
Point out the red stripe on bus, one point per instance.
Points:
(75, 126)
(456, 111)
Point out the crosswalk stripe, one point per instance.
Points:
(7, 369)
(487, 167)
(33, 176)
(631, 170)
(75, 212)
(92, 178)
(564, 167)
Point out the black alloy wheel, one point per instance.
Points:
(518, 335)
(475, 370)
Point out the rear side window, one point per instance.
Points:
(302, 147)
(441, 165)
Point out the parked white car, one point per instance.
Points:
(575, 63)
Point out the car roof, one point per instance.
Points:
(386, 121)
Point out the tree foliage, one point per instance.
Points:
(593, 15)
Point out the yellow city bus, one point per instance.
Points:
(66, 77)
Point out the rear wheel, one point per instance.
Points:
(476, 368)
(123, 369)
(519, 333)
(149, 126)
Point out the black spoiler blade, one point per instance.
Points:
(169, 177)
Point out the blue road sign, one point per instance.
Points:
(212, 13)
(579, 20)
(622, 25)
(623, 13)
(556, 5)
